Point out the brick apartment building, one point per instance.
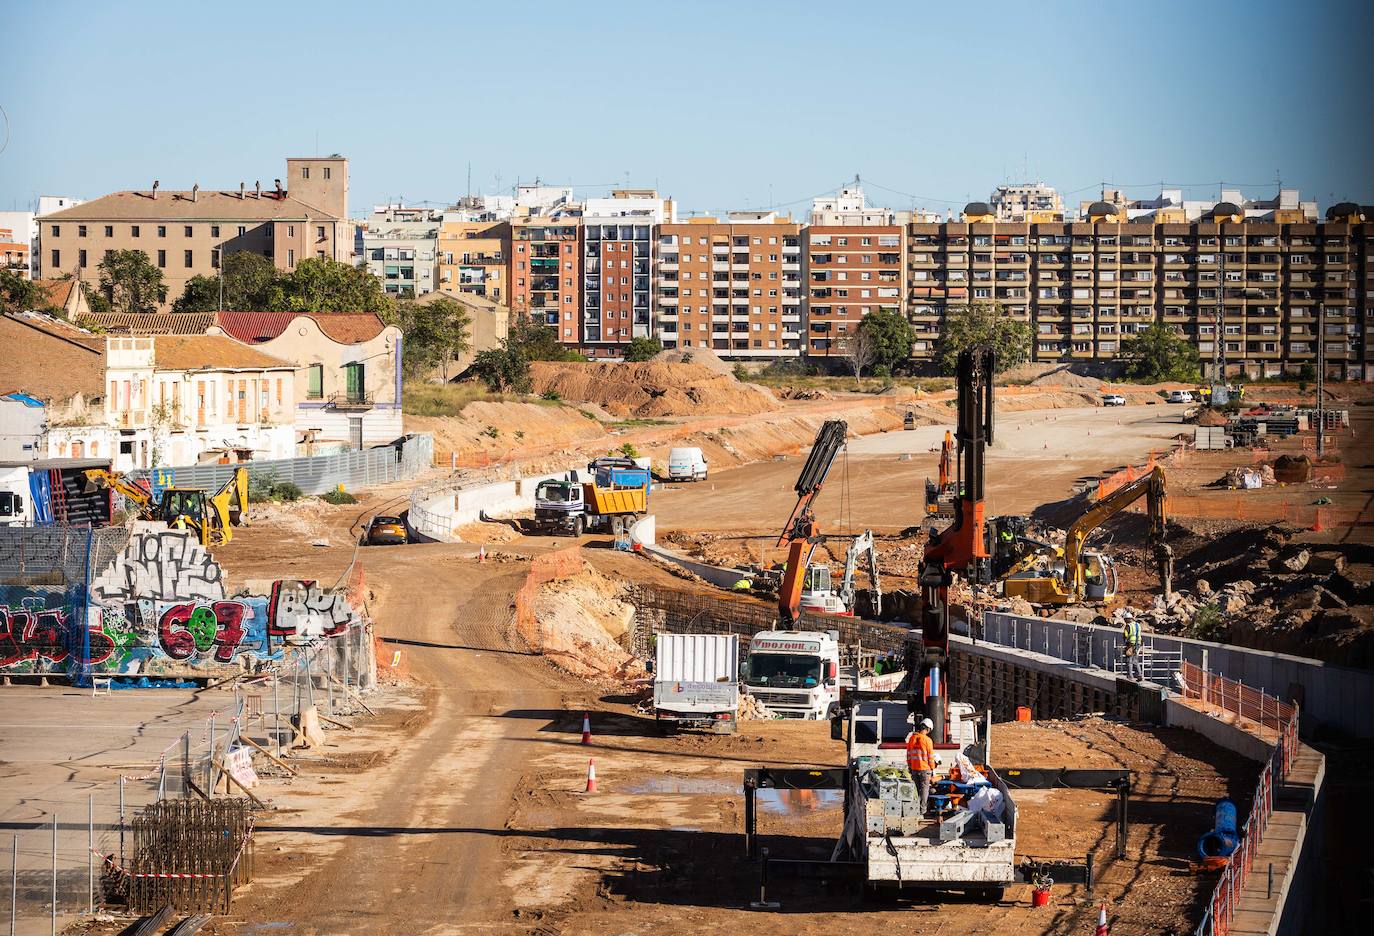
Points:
(1086, 285)
(545, 273)
(619, 250)
(184, 233)
(734, 286)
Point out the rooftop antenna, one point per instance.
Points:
(469, 178)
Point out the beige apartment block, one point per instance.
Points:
(474, 258)
(185, 233)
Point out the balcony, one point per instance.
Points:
(360, 400)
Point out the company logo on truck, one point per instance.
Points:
(795, 646)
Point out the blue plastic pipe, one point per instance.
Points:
(1222, 840)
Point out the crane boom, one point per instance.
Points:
(1150, 486)
(801, 533)
(961, 547)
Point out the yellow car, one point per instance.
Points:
(387, 531)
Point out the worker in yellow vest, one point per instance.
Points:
(1135, 663)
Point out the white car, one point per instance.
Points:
(1113, 399)
(1180, 396)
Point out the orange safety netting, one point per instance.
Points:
(546, 568)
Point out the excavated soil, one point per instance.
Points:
(652, 389)
(577, 623)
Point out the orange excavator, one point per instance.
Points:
(961, 548)
(940, 497)
(802, 533)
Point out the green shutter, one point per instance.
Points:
(316, 382)
(354, 375)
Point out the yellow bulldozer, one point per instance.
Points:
(1077, 574)
(211, 516)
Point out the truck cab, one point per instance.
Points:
(559, 505)
(795, 673)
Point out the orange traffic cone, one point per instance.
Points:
(591, 776)
(481, 554)
(1101, 920)
(586, 728)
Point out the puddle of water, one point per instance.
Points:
(799, 802)
(680, 785)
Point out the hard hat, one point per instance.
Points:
(927, 724)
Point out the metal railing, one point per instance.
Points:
(1266, 712)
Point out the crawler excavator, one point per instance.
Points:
(1084, 575)
(211, 516)
(801, 534)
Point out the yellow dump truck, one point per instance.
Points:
(614, 497)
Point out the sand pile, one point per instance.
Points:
(703, 357)
(1064, 376)
(652, 388)
(577, 621)
(486, 533)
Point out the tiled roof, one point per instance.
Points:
(177, 206)
(150, 323)
(343, 327)
(192, 352)
(58, 291)
(58, 360)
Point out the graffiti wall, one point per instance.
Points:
(160, 608)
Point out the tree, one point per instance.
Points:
(503, 369)
(1157, 354)
(130, 282)
(200, 295)
(252, 283)
(435, 333)
(890, 335)
(536, 341)
(20, 295)
(983, 323)
(319, 284)
(859, 350)
(642, 349)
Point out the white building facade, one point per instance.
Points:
(401, 246)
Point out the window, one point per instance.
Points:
(57, 230)
(81, 230)
(162, 259)
(81, 258)
(315, 382)
(319, 232)
(188, 258)
(214, 230)
(326, 172)
(305, 172)
(134, 231)
(214, 259)
(162, 230)
(291, 258)
(56, 259)
(243, 230)
(290, 230)
(109, 230)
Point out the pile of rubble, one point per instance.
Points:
(1282, 595)
(751, 709)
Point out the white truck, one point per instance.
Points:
(972, 849)
(798, 674)
(696, 681)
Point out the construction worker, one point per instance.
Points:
(743, 584)
(920, 760)
(1135, 664)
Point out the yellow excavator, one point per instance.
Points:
(1077, 574)
(211, 516)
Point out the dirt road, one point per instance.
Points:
(423, 831)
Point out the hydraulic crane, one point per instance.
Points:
(801, 533)
(961, 548)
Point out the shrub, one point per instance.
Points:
(338, 497)
(267, 488)
(629, 450)
(553, 396)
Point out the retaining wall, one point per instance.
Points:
(437, 511)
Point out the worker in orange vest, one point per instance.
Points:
(920, 760)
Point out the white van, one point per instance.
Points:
(686, 464)
(1180, 396)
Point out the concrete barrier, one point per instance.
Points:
(437, 512)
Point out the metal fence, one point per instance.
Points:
(319, 474)
(1340, 698)
(56, 555)
(1266, 713)
(79, 855)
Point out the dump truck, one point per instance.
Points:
(799, 674)
(696, 681)
(616, 495)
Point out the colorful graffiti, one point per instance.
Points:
(38, 631)
(160, 607)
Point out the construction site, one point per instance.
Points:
(655, 649)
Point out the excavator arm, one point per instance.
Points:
(99, 478)
(1150, 486)
(862, 546)
(801, 533)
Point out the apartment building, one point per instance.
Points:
(731, 285)
(473, 256)
(1084, 286)
(545, 272)
(619, 249)
(1028, 201)
(854, 259)
(14, 254)
(401, 248)
(184, 233)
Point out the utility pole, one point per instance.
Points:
(220, 250)
(1321, 377)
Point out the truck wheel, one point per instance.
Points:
(578, 526)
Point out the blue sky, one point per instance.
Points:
(721, 105)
